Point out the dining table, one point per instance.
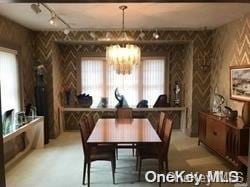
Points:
(123, 131)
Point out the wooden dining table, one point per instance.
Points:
(123, 131)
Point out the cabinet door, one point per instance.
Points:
(216, 135)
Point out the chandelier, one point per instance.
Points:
(123, 57)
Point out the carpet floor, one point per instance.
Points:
(60, 164)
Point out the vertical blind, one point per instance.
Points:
(145, 81)
(153, 79)
(92, 79)
(9, 78)
(127, 85)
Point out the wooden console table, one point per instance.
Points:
(229, 139)
(34, 137)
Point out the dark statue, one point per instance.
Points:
(142, 104)
(162, 101)
(122, 102)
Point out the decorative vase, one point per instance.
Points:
(85, 100)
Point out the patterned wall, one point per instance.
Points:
(231, 47)
(71, 57)
(201, 41)
(72, 54)
(16, 37)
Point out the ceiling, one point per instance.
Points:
(137, 16)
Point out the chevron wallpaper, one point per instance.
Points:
(71, 57)
(231, 47)
(200, 40)
(16, 37)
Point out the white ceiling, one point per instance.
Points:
(138, 15)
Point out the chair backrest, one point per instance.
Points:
(96, 116)
(91, 122)
(124, 113)
(160, 124)
(168, 123)
(84, 135)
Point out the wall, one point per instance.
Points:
(14, 36)
(188, 77)
(72, 54)
(201, 41)
(230, 47)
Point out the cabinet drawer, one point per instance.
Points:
(216, 135)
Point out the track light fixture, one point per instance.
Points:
(156, 35)
(36, 8)
(53, 20)
(54, 17)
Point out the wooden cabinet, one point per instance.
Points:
(229, 139)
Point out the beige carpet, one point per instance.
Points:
(60, 163)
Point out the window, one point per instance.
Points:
(153, 79)
(92, 79)
(145, 82)
(9, 78)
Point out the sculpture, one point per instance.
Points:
(142, 104)
(122, 102)
(177, 94)
(161, 101)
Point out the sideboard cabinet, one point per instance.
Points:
(229, 139)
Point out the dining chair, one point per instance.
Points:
(125, 113)
(91, 122)
(84, 119)
(157, 151)
(96, 116)
(160, 129)
(95, 153)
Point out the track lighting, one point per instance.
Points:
(36, 8)
(66, 31)
(52, 20)
(156, 35)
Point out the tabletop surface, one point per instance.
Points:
(123, 131)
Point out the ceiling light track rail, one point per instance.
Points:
(56, 15)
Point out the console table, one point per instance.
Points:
(229, 139)
(70, 116)
(34, 137)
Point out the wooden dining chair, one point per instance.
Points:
(96, 116)
(125, 113)
(91, 122)
(157, 151)
(95, 153)
(160, 129)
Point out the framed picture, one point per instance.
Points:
(240, 83)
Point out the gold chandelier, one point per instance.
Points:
(124, 56)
